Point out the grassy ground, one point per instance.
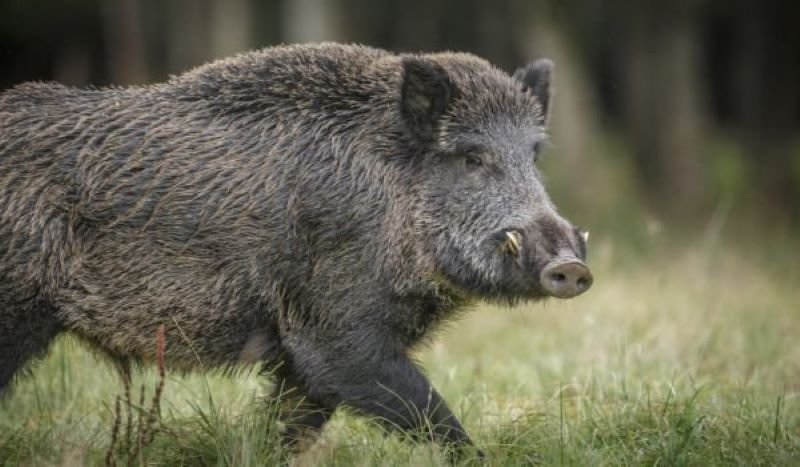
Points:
(689, 358)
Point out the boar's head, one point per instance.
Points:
(490, 226)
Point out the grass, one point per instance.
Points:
(685, 357)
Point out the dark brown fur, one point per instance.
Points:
(318, 208)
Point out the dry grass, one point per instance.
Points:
(690, 357)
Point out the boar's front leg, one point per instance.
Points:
(367, 374)
(303, 417)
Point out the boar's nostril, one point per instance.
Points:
(558, 277)
(566, 279)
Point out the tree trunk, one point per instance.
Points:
(663, 111)
(188, 39)
(123, 30)
(767, 101)
(311, 21)
(230, 27)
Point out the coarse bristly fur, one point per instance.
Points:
(316, 208)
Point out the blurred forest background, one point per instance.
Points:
(675, 141)
(668, 115)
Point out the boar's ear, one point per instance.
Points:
(426, 91)
(537, 77)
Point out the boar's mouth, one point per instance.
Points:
(512, 269)
(532, 273)
(505, 281)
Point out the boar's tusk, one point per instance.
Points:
(585, 236)
(512, 245)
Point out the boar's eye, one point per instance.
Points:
(470, 155)
(473, 160)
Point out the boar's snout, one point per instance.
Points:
(550, 254)
(566, 277)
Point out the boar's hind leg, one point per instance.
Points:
(302, 417)
(378, 382)
(26, 330)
